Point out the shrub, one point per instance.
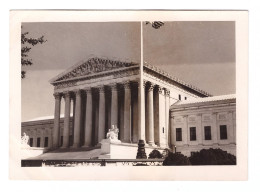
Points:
(176, 159)
(212, 157)
(155, 154)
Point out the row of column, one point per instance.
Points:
(126, 136)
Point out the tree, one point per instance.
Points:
(27, 42)
(155, 154)
(212, 157)
(176, 159)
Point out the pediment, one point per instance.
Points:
(92, 66)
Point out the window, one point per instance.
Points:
(38, 141)
(223, 132)
(178, 134)
(179, 97)
(185, 98)
(207, 132)
(31, 142)
(46, 141)
(163, 129)
(193, 133)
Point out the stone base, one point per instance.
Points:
(32, 152)
(115, 149)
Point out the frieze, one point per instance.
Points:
(116, 74)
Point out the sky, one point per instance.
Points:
(200, 53)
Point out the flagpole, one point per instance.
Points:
(141, 109)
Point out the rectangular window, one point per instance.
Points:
(185, 98)
(223, 132)
(38, 141)
(179, 97)
(193, 133)
(207, 131)
(31, 142)
(46, 141)
(178, 134)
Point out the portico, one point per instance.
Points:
(104, 93)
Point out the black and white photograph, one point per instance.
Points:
(117, 94)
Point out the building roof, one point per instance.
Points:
(46, 118)
(176, 80)
(205, 99)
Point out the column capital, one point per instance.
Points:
(151, 86)
(160, 89)
(101, 89)
(113, 87)
(144, 83)
(167, 92)
(78, 92)
(57, 95)
(127, 84)
(88, 90)
(67, 94)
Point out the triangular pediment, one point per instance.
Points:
(92, 66)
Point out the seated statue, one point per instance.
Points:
(25, 139)
(113, 133)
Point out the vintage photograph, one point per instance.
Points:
(81, 104)
(119, 93)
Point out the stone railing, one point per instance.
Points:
(92, 162)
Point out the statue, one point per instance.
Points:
(113, 133)
(25, 139)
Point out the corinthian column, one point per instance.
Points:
(77, 123)
(66, 120)
(150, 115)
(56, 129)
(88, 122)
(101, 114)
(114, 105)
(141, 110)
(127, 113)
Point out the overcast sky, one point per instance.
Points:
(201, 53)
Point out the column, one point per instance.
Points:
(150, 115)
(135, 111)
(230, 128)
(214, 128)
(185, 130)
(76, 140)
(67, 97)
(167, 112)
(199, 128)
(88, 121)
(101, 114)
(141, 111)
(56, 128)
(114, 105)
(127, 113)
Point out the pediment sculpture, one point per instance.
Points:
(95, 65)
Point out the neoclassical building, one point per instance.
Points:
(99, 93)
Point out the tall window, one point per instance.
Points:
(46, 141)
(207, 131)
(179, 97)
(193, 133)
(223, 132)
(38, 141)
(31, 142)
(178, 134)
